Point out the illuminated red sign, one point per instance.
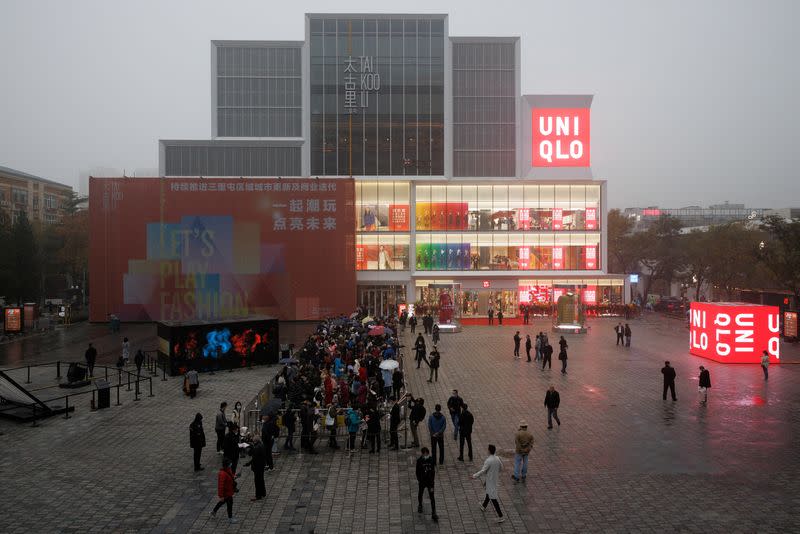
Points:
(524, 254)
(590, 295)
(591, 257)
(486, 283)
(398, 217)
(651, 212)
(560, 137)
(558, 258)
(734, 332)
(12, 319)
(558, 218)
(591, 218)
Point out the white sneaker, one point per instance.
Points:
(233, 520)
(501, 519)
(483, 508)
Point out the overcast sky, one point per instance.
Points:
(696, 101)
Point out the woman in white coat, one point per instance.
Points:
(491, 473)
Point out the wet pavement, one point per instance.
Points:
(623, 459)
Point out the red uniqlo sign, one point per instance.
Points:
(558, 218)
(591, 257)
(734, 332)
(560, 137)
(591, 218)
(558, 258)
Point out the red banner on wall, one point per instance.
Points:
(590, 253)
(591, 218)
(558, 217)
(558, 258)
(204, 249)
(398, 217)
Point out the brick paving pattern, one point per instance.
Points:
(622, 461)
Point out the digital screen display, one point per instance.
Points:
(734, 332)
(560, 137)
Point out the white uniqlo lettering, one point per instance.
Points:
(723, 349)
(722, 319)
(701, 343)
(548, 148)
(776, 327)
(743, 337)
(745, 319)
(699, 318)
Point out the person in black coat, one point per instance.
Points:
(374, 429)
(551, 400)
(528, 346)
(705, 383)
(197, 440)
(91, 358)
(426, 477)
(139, 361)
(417, 416)
(547, 356)
(258, 459)
(394, 423)
(397, 382)
(269, 431)
(289, 422)
(500, 318)
(419, 347)
(230, 447)
(517, 340)
(669, 380)
(465, 422)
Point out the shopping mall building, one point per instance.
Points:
(462, 182)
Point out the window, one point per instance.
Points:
(50, 202)
(382, 206)
(19, 196)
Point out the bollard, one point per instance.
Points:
(29, 375)
(129, 381)
(66, 412)
(58, 369)
(94, 406)
(151, 385)
(118, 386)
(136, 393)
(164, 369)
(137, 385)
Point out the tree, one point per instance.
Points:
(663, 255)
(780, 253)
(25, 265)
(733, 252)
(623, 251)
(73, 204)
(6, 256)
(698, 260)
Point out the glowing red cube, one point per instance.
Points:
(734, 332)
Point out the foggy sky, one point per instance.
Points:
(695, 100)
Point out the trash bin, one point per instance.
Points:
(76, 372)
(103, 393)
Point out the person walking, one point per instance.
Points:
(528, 346)
(258, 461)
(426, 476)
(412, 322)
(416, 417)
(562, 355)
(523, 442)
(620, 331)
(517, 340)
(547, 355)
(500, 317)
(490, 315)
(435, 334)
(765, 364)
(437, 424)
(220, 424)
(193, 380)
(269, 433)
(465, 422)
(126, 350)
(490, 472)
(434, 364)
(419, 348)
(669, 380)
(551, 401)
(394, 423)
(538, 346)
(197, 439)
(91, 357)
(454, 405)
(138, 359)
(289, 421)
(704, 383)
(627, 332)
(226, 488)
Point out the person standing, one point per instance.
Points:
(490, 315)
(417, 416)
(435, 334)
(394, 423)
(230, 447)
(426, 476)
(434, 364)
(528, 346)
(126, 350)
(551, 400)
(669, 380)
(454, 405)
(517, 340)
(491, 473)
(562, 355)
(765, 364)
(374, 430)
(269, 431)
(397, 382)
(538, 346)
(705, 383)
(258, 460)
(465, 422)
(419, 347)
(353, 421)
(526, 315)
(197, 440)
(620, 330)
(289, 423)
(523, 442)
(627, 335)
(330, 425)
(500, 317)
(412, 322)
(226, 488)
(220, 424)
(193, 379)
(91, 358)
(437, 424)
(138, 359)
(547, 355)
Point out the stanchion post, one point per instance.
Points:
(58, 369)
(29, 375)
(34, 415)
(151, 385)
(164, 371)
(66, 411)
(118, 386)
(129, 381)
(136, 393)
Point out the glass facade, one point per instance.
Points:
(383, 213)
(484, 109)
(377, 96)
(259, 91)
(226, 160)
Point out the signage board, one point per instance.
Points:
(790, 324)
(12, 319)
(560, 137)
(734, 332)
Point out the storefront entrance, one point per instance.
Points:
(381, 300)
(476, 302)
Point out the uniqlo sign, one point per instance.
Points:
(591, 218)
(560, 137)
(591, 257)
(558, 258)
(734, 332)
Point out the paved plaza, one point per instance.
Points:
(623, 460)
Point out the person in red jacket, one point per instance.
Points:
(226, 487)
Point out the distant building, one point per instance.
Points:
(692, 216)
(41, 199)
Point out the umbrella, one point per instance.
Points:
(389, 365)
(366, 320)
(388, 330)
(287, 360)
(377, 331)
(271, 407)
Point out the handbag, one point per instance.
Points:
(329, 421)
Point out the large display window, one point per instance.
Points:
(507, 252)
(502, 207)
(383, 206)
(382, 252)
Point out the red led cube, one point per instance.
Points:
(734, 332)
